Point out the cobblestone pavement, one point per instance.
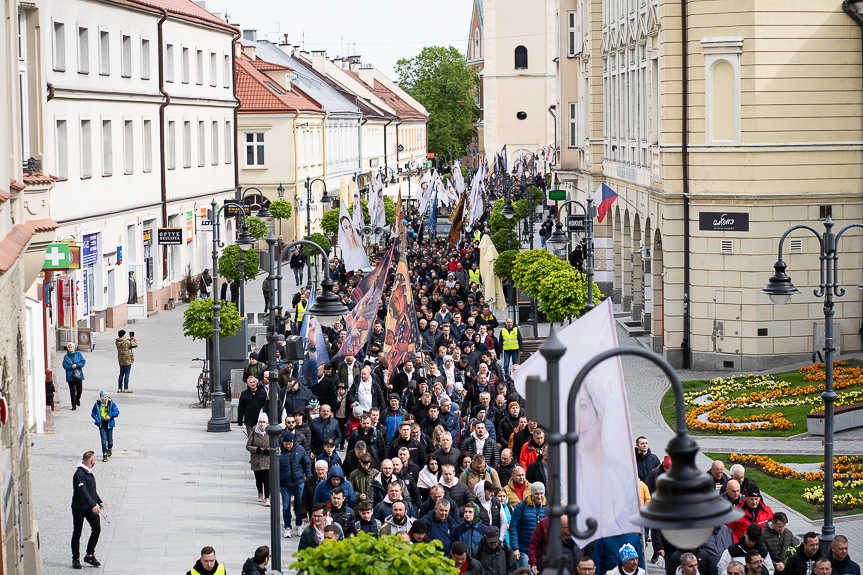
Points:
(171, 487)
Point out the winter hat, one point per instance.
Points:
(447, 358)
(752, 490)
(314, 401)
(263, 417)
(537, 487)
(627, 552)
(287, 436)
(420, 526)
(254, 355)
(103, 394)
(394, 396)
(459, 386)
(358, 411)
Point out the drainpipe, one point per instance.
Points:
(296, 176)
(685, 345)
(163, 181)
(551, 110)
(236, 110)
(385, 144)
(397, 149)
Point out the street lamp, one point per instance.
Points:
(386, 170)
(281, 191)
(327, 309)
(780, 289)
(409, 167)
(685, 505)
(218, 422)
(325, 200)
(557, 240)
(245, 240)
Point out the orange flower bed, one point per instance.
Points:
(843, 467)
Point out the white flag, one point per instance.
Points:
(358, 219)
(427, 183)
(607, 479)
(520, 163)
(457, 178)
(378, 215)
(349, 240)
(451, 196)
(476, 196)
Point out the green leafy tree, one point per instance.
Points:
(281, 210)
(229, 263)
(439, 79)
(330, 222)
(504, 262)
(559, 287)
(364, 554)
(257, 227)
(198, 319)
(319, 239)
(497, 221)
(500, 239)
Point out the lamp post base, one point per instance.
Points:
(218, 422)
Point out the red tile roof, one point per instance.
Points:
(4, 196)
(34, 178)
(257, 94)
(268, 66)
(403, 110)
(16, 185)
(12, 246)
(183, 9)
(45, 225)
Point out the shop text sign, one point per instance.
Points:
(723, 221)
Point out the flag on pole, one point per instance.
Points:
(399, 223)
(427, 183)
(433, 217)
(401, 340)
(349, 240)
(607, 481)
(520, 162)
(457, 219)
(606, 198)
(358, 219)
(476, 200)
(377, 209)
(458, 178)
(451, 196)
(504, 160)
(549, 153)
(314, 345)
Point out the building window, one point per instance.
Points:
(187, 144)
(128, 147)
(199, 65)
(59, 47)
(520, 58)
(573, 125)
(202, 150)
(254, 148)
(226, 73)
(83, 50)
(62, 151)
(573, 33)
(126, 65)
(86, 150)
(215, 143)
(172, 145)
(145, 59)
(229, 143)
(104, 53)
(169, 63)
(214, 67)
(722, 88)
(185, 65)
(148, 146)
(107, 149)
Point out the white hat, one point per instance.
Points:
(263, 417)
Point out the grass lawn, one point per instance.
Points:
(796, 414)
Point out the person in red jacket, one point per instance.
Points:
(754, 511)
(531, 450)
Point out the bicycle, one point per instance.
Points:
(204, 384)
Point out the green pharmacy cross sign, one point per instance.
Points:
(57, 257)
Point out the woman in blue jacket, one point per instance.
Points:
(74, 362)
(104, 412)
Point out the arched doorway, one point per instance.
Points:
(657, 318)
(637, 271)
(626, 263)
(646, 277)
(618, 268)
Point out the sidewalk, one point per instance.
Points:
(171, 488)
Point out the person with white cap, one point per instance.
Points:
(628, 564)
(103, 414)
(525, 517)
(258, 446)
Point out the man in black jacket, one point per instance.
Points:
(645, 460)
(86, 504)
(373, 438)
(325, 388)
(803, 562)
(252, 400)
(404, 439)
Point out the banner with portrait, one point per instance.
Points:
(401, 340)
(353, 254)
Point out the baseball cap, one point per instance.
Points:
(753, 491)
(492, 534)
(329, 442)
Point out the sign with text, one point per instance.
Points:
(723, 221)
(557, 195)
(190, 225)
(232, 210)
(91, 249)
(170, 236)
(576, 223)
(148, 236)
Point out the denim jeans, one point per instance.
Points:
(297, 492)
(298, 275)
(123, 380)
(107, 438)
(509, 356)
(522, 559)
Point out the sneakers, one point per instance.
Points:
(74, 407)
(267, 502)
(92, 561)
(110, 452)
(76, 564)
(128, 391)
(104, 459)
(288, 533)
(119, 390)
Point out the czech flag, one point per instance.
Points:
(606, 198)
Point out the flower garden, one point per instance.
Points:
(763, 405)
(798, 481)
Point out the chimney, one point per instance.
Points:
(367, 75)
(249, 51)
(250, 35)
(286, 43)
(319, 60)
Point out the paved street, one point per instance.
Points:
(171, 487)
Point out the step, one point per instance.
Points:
(632, 328)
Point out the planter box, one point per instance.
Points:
(844, 417)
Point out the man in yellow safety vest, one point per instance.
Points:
(510, 343)
(473, 274)
(207, 564)
(301, 307)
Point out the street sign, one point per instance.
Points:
(557, 195)
(56, 257)
(170, 236)
(234, 210)
(575, 223)
(190, 225)
(400, 148)
(148, 237)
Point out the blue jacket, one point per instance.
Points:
(525, 518)
(331, 460)
(392, 419)
(299, 400)
(384, 510)
(452, 423)
(294, 466)
(113, 412)
(325, 488)
(470, 533)
(441, 530)
(68, 359)
(846, 567)
(323, 430)
(606, 551)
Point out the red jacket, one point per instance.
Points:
(760, 515)
(538, 543)
(529, 453)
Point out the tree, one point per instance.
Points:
(257, 228)
(439, 79)
(497, 222)
(319, 239)
(503, 264)
(363, 554)
(559, 287)
(198, 319)
(229, 263)
(281, 210)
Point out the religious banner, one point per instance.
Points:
(457, 220)
(353, 254)
(314, 345)
(427, 182)
(401, 341)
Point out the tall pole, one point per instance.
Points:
(242, 282)
(309, 228)
(828, 530)
(589, 233)
(218, 422)
(273, 429)
(552, 350)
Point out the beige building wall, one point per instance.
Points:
(774, 135)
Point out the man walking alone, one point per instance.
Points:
(104, 412)
(126, 358)
(86, 504)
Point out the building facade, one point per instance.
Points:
(712, 166)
